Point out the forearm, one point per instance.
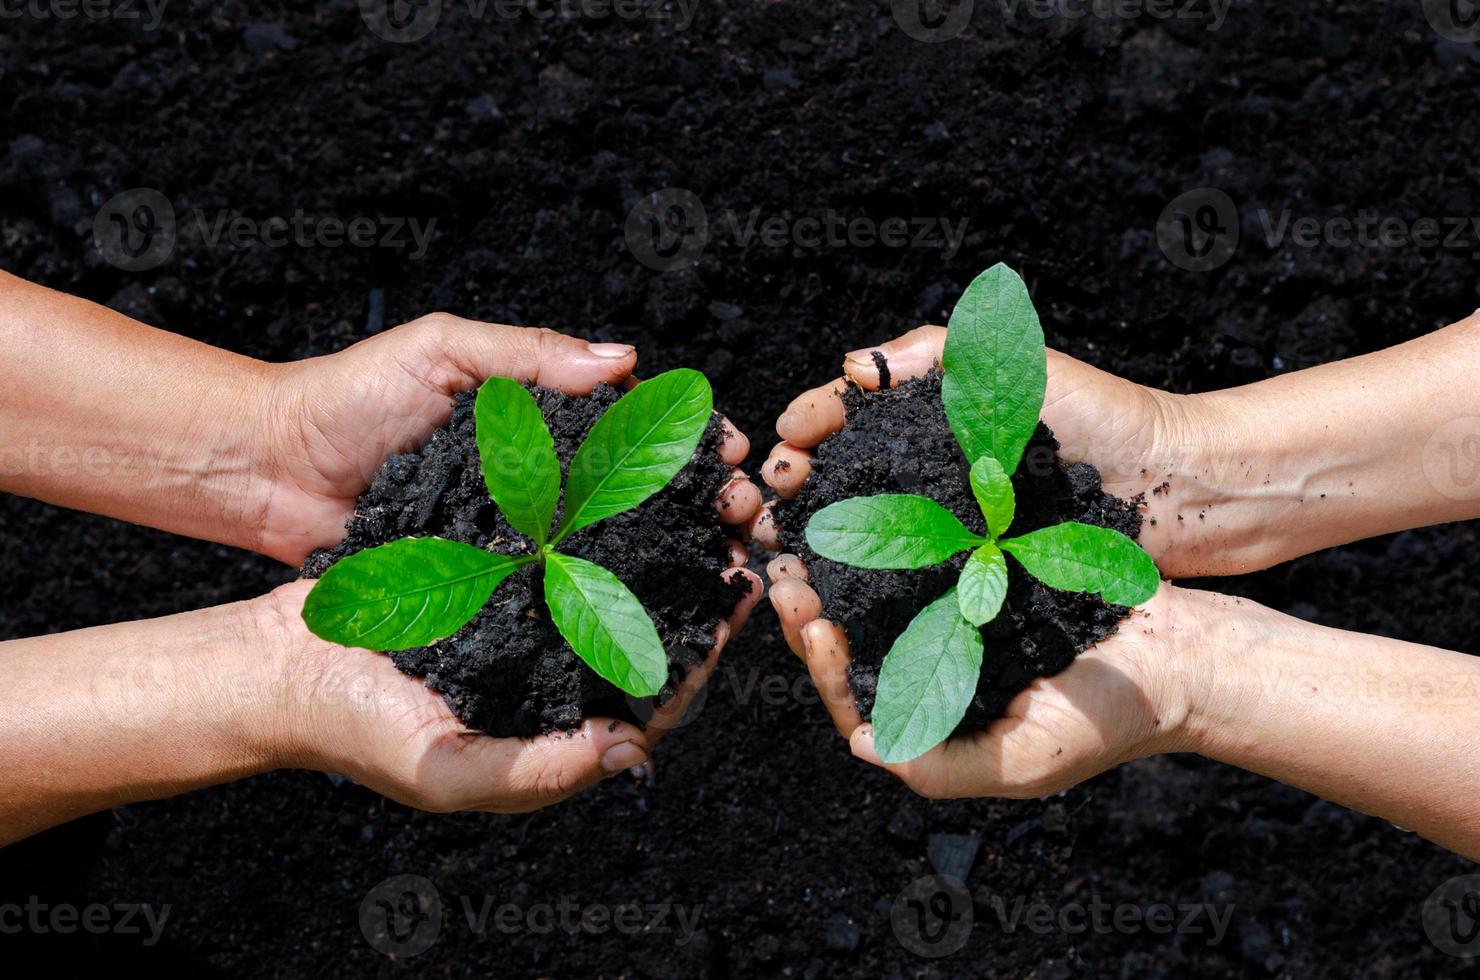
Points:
(1380, 725)
(1317, 458)
(137, 711)
(104, 414)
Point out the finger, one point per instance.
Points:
(957, 768)
(734, 446)
(738, 500)
(477, 351)
(786, 565)
(907, 357)
(763, 529)
(786, 469)
(511, 775)
(748, 601)
(827, 658)
(796, 605)
(738, 555)
(671, 713)
(813, 415)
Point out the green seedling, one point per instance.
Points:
(996, 372)
(412, 592)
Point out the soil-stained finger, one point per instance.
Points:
(735, 446)
(739, 500)
(796, 605)
(787, 469)
(786, 565)
(739, 556)
(826, 647)
(908, 356)
(763, 529)
(748, 601)
(813, 415)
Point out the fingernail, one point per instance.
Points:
(786, 421)
(614, 351)
(622, 756)
(861, 358)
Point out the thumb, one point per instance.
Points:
(477, 350)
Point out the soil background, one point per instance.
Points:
(1057, 141)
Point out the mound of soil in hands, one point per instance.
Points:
(899, 441)
(509, 671)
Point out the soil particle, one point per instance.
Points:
(509, 672)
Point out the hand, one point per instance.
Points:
(1137, 437)
(336, 419)
(1122, 699)
(356, 714)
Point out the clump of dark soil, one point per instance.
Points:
(509, 671)
(899, 441)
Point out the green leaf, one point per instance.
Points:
(996, 368)
(404, 594)
(927, 681)
(518, 454)
(993, 490)
(1084, 558)
(605, 624)
(891, 530)
(636, 447)
(983, 585)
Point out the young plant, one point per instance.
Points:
(411, 592)
(996, 372)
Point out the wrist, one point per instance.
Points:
(1214, 492)
(286, 677)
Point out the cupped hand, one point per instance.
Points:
(1099, 712)
(337, 418)
(1137, 437)
(354, 713)
(1122, 699)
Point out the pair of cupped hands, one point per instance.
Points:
(1118, 701)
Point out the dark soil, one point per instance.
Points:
(1057, 141)
(509, 672)
(897, 440)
